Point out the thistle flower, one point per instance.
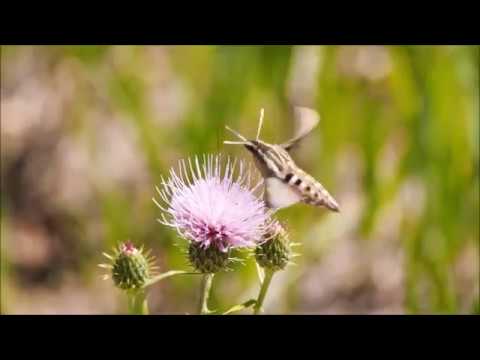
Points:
(275, 252)
(130, 267)
(215, 212)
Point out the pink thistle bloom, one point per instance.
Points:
(128, 248)
(212, 209)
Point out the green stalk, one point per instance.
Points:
(137, 303)
(204, 293)
(166, 275)
(257, 309)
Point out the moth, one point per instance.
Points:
(285, 183)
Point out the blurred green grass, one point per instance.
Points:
(399, 115)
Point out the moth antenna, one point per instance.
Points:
(235, 142)
(237, 134)
(260, 123)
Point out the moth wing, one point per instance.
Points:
(280, 195)
(306, 120)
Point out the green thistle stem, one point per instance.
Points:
(137, 303)
(204, 294)
(166, 275)
(257, 309)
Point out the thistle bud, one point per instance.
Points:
(275, 252)
(207, 259)
(130, 267)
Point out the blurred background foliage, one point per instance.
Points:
(87, 131)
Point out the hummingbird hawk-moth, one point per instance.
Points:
(285, 183)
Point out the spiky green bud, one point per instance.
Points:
(130, 267)
(207, 260)
(274, 253)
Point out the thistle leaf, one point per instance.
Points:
(240, 307)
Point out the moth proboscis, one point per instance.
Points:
(285, 183)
